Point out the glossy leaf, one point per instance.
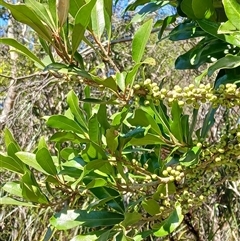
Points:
(63, 123)
(190, 157)
(98, 19)
(204, 52)
(67, 136)
(30, 159)
(140, 40)
(131, 75)
(87, 106)
(31, 190)
(208, 122)
(151, 206)
(232, 10)
(227, 62)
(171, 223)
(45, 160)
(13, 188)
(96, 182)
(68, 219)
(187, 8)
(21, 49)
(81, 22)
(102, 117)
(203, 9)
(176, 126)
(148, 9)
(93, 127)
(8, 138)
(42, 12)
(11, 164)
(87, 237)
(73, 103)
(112, 139)
(24, 14)
(142, 118)
(42, 143)
(11, 201)
(212, 28)
(186, 30)
(105, 192)
(75, 5)
(148, 139)
(166, 22)
(227, 28)
(131, 218)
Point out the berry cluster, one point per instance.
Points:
(226, 95)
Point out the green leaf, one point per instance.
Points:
(227, 28)
(208, 122)
(13, 188)
(12, 149)
(212, 28)
(87, 106)
(120, 78)
(81, 22)
(142, 118)
(93, 126)
(45, 160)
(98, 19)
(167, 21)
(175, 126)
(112, 139)
(31, 190)
(8, 139)
(232, 10)
(185, 129)
(11, 164)
(102, 117)
(131, 75)
(42, 12)
(148, 139)
(11, 201)
(140, 40)
(171, 223)
(87, 237)
(205, 51)
(119, 117)
(148, 9)
(227, 62)
(151, 206)
(186, 30)
(190, 157)
(68, 219)
(74, 7)
(42, 143)
(203, 9)
(131, 218)
(25, 15)
(67, 136)
(109, 83)
(30, 159)
(73, 103)
(105, 192)
(96, 182)
(187, 8)
(21, 49)
(63, 123)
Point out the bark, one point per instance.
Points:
(11, 93)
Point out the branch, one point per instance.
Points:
(89, 50)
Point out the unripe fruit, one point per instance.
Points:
(165, 173)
